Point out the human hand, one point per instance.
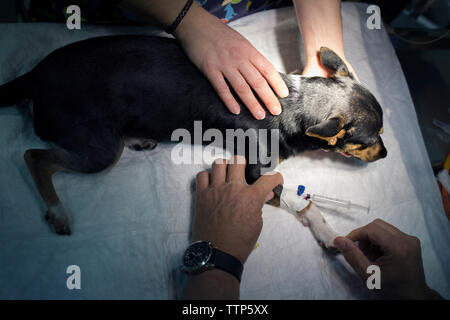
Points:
(221, 53)
(228, 210)
(397, 254)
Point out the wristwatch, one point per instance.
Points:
(201, 256)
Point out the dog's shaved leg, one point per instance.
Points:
(321, 230)
(42, 165)
(310, 217)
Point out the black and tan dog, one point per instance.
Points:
(91, 95)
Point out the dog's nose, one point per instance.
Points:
(383, 153)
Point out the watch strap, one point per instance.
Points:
(226, 262)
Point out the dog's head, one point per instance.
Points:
(355, 122)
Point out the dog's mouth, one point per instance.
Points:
(368, 154)
(346, 154)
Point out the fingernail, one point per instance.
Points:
(220, 161)
(276, 110)
(260, 114)
(236, 110)
(284, 92)
(239, 159)
(340, 244)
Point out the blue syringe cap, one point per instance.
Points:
(300, 189)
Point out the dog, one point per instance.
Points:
(91, 96)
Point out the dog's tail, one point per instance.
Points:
(15, 91)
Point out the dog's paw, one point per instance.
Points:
(141, 144)
(59, 220)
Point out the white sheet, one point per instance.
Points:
(131, 224)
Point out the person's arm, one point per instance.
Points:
(397, 254)
(320, 25)
(227, 214)
(212, 285)
(220, 53)
(161, 12)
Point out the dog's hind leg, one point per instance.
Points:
(42, 164)
(84, 158)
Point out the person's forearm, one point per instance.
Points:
(320, 25)
(212, 285)
(163, 12)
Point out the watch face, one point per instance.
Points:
(196, 256)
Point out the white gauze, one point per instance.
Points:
(310, 216)
(291, 202)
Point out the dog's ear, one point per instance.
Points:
(329, 130)
(330, 60)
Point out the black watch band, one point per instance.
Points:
(226, 262)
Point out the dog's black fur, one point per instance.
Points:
(89, 95)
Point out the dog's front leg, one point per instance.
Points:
(321, 230)
(310, 216)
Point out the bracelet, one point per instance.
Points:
(180, 17)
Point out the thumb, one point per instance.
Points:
(353, 255)
(266, 183)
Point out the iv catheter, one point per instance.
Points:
(324, 200)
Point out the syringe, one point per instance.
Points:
(338, 203)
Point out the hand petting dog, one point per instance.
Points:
(231, 58)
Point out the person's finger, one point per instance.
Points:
(388, 227)
(236, 169)
(223, 91)
(374, 234)
(266, 183)
(271, 75)
(244, 92)
(218, 171)
(353, 255)
(261, 87)
(202, 181)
